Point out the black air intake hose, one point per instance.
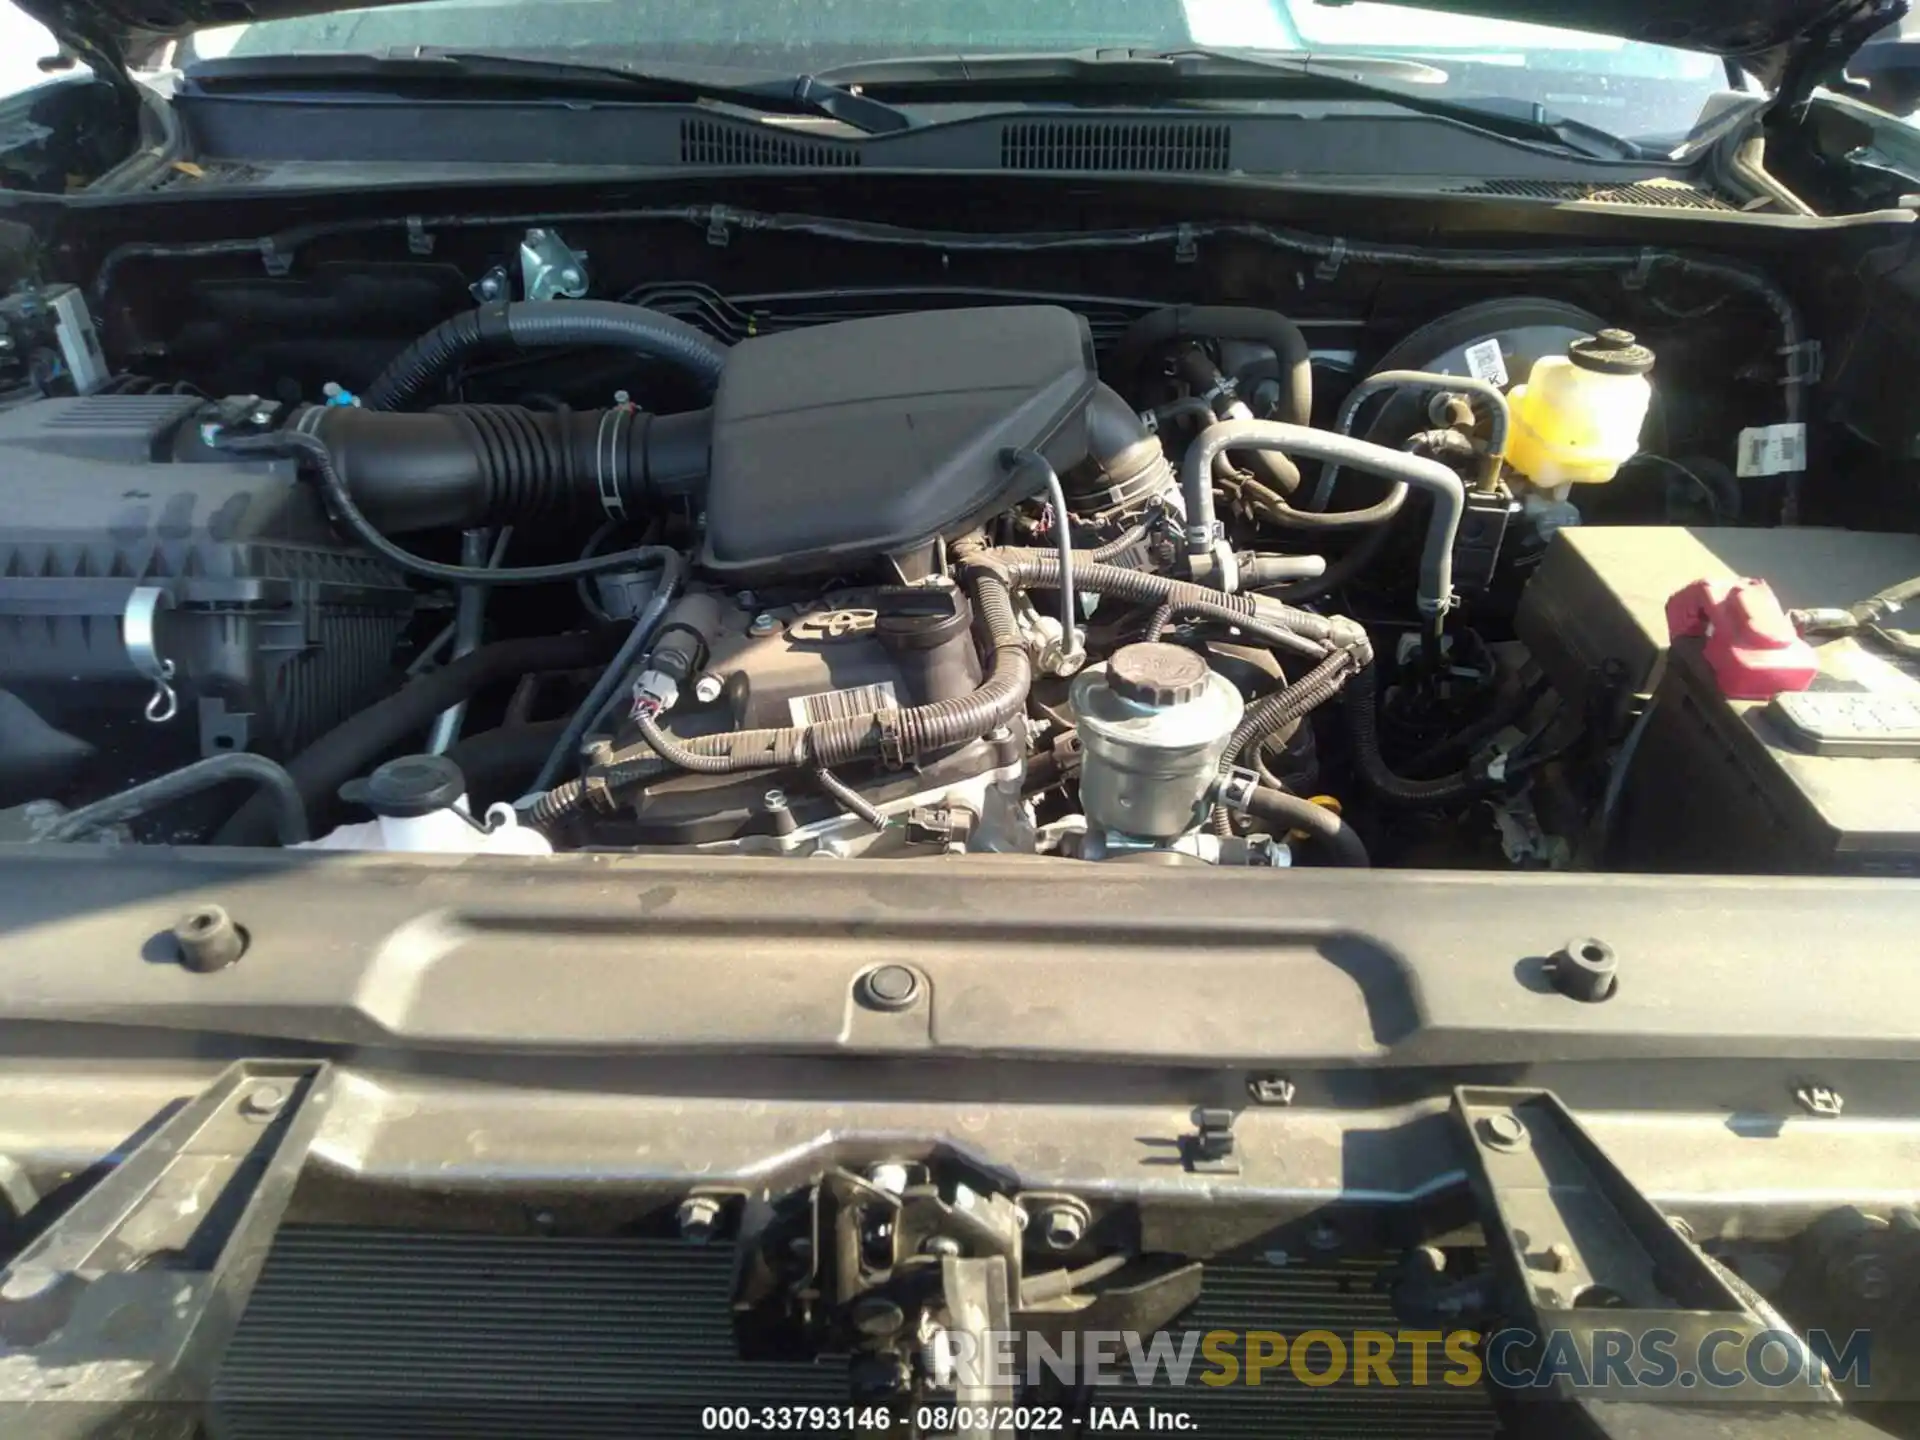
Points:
(460, 466)
(532, 324)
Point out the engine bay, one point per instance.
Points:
(1531, 581)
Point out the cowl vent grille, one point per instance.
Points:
(713, 142)
(1097, 145)
(1668, 194)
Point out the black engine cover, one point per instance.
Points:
(841, 443)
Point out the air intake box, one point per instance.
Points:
(273, 629)
(841, 443)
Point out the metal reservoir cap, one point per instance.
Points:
(1153, 722)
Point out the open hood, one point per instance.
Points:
(1789, 44)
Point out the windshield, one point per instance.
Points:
(1635, 90)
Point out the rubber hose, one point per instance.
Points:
(629, 654)
(500, 764)
(1333, 837)
(294, 442)
(1362, 724)
(279, 798)
(1272, 713)
(1222, 322)
(356, 744)
(533, 324)
(1449, 495)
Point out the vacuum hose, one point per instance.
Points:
(534, 324)
(280, 802)
(1328, 831)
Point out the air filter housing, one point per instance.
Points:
(843, 443)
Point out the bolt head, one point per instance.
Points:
(1062, 1229)
(1503, 1130)
(697, 1216)
(708, 688)
(942, 1245)
(263, 1100)
(569, 277)
(763, 624)
(774, 799)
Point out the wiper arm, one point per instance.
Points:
(1201, 72)
(487, 73)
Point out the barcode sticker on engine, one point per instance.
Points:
(1772, 450)
(1485, 362)
(839, 704)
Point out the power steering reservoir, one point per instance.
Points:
(1153, 723)
(1577, 419)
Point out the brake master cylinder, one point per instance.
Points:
(1577, 419)
(1153, 723)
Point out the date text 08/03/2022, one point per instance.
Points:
(941, 1419)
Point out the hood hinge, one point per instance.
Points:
(1822, 53)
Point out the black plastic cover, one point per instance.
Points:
(841, 443)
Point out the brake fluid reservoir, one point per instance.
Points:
(1153, 723)
(1577, 419)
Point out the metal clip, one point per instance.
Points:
(549, 268)
(277, 261)
(1236, 788)
(1642, 272)
(1186, 246)
(137, 629)
(419, 242)
(1329, 268)
(1806, 362)
(717, 233)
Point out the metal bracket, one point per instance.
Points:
(128, 1300)
(1186, 246)
(419, 239)
(1578, 1250)
(137, 630)
(549, 268)
(1641, 275)
(718, 235)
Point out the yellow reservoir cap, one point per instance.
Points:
(1577, 419)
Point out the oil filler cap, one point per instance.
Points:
(1611, 352)
(1157, 674)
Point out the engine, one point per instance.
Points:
(915, 584)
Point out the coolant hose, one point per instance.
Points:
(279, 799)
(534, 324)
(354, 745)
(1222, 322)
(1329, 832)
(1362, 725)
(1449, 495)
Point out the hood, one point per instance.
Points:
(1791, 45)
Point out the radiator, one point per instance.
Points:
(368, 1334)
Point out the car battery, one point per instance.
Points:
(1824, 780)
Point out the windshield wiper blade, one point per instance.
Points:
(1203, 72)
(488, 73)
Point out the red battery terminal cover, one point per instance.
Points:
(1751, 646)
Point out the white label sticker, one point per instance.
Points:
(1772, 450)
(840, 704)
(1485, 362)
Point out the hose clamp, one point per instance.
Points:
(143, 652)
(606, 457)
(1235, 788)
